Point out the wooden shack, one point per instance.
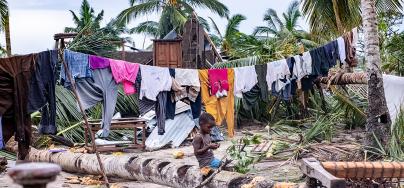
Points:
(191, 49)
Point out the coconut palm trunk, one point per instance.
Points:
(7, 34)
(378, 118)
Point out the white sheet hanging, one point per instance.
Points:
(394, 92)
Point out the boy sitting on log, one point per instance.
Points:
(202, 143)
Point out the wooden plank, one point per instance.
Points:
(372, 170)
(313, 169)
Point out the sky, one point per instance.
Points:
(34, 22)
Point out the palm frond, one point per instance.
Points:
(213, 5)
(234, 23)
(150, 28)
(138, 10)
(216, 28)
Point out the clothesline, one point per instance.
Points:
(159, 86)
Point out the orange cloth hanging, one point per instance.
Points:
(220, 108)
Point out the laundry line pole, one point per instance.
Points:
(73, 85)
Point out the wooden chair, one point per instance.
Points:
(117, 124)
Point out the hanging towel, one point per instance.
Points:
(218, 80)
(341, 50)
(97, 62)
(42, 91)
(187, 77)
(101, 87)
(245, 79)
(277, 70)
(394, 92)
(220, 108)
(154, 80)
(15, 76)
(331, 50)
(126, 73)
(78, 65)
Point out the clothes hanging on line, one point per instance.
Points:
(331, 50)
(320, 62)
(15, 77)
(261, 71)
(154, 80)
(42, 91)
(125, 73)
(220, 108)
(187, 77)
(218, 82)
(303, 65)
(275, 71)
(78, 65)
(97, 62)
(100, 88)
(184, 92)
(245, 79)
(160, 110)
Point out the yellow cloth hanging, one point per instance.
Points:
(220, 108)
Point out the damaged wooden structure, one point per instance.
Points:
(335, 174)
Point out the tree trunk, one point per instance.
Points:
(7, 33)
(378, 118)
(132, 167)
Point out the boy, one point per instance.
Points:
(202, 143)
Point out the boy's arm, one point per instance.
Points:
(197, 143)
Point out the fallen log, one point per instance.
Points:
(345, 78)
(133, 167)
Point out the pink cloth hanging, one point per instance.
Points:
(218, 80)
(126, 73)
(97, 62)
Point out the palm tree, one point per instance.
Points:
(86, 17)
(231, 34)
(286, 26)
(174, 13)
(378, 118)
(332, 18)
(5, 24)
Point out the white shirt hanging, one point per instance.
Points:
(187, 77)
(245, 79)
(277, 70)
(303, 65)
(394, 91)
(341, 49)
(154, 80)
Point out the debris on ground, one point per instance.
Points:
(3, 164)
(86, 180)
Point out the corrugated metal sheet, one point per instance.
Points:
(176, 131)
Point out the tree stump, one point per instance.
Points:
(37, 175)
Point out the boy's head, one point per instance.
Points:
(206, 122)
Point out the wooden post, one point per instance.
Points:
(69, 76)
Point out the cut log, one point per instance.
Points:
(132, 167)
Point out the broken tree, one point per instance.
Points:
(132, 167)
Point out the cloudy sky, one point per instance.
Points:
(34, 22)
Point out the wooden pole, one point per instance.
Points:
(69, 76)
